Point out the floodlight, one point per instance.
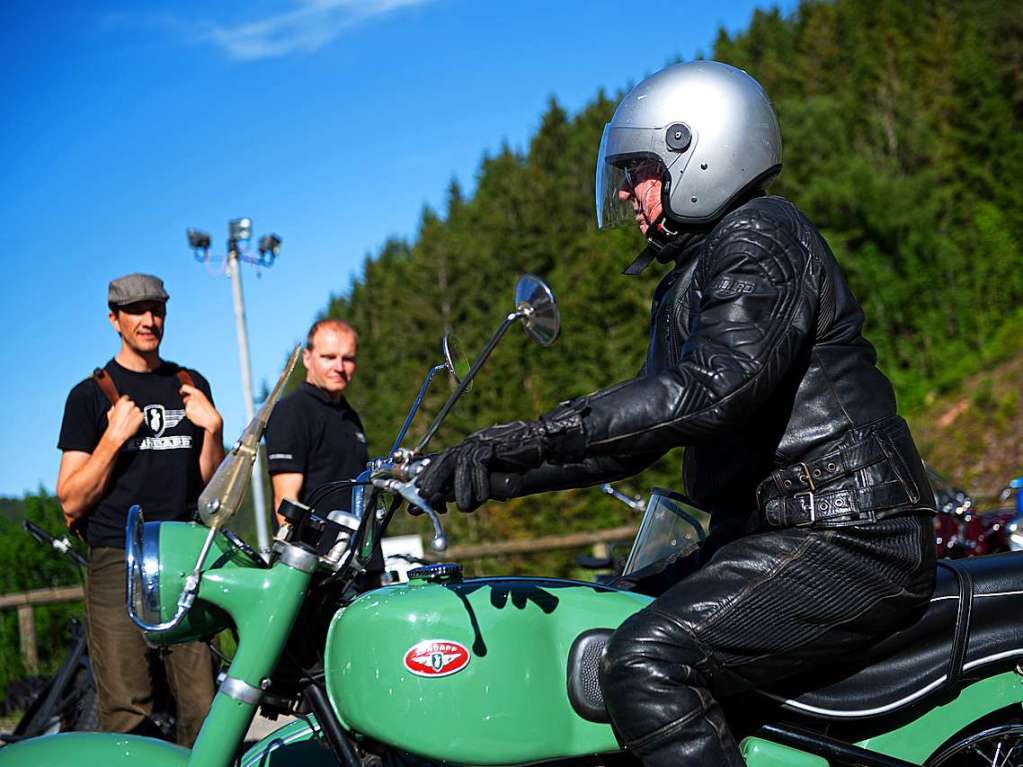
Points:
(240, 229)
(269, 244)
(198, 239)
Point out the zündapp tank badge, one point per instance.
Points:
(436, 657)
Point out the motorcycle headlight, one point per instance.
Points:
(142, 550)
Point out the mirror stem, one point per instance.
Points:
(415, 406)
(464, 383)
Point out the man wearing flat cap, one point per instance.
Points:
(140, 430)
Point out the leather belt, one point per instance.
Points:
(797, 495)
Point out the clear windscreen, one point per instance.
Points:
(623, 150)
(671, 526)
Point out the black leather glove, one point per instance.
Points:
(463, 472)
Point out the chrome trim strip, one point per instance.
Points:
(865, 713)
(979, 596)
(241, 691)
(151, 571)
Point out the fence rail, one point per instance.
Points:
(548, 543)
(24, 602)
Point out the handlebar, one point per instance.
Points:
(505, 486)
(63, 545)
(398, 474)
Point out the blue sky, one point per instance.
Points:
(329, 122)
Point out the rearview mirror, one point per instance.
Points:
(535, 303)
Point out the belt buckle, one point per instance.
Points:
(813, 508)
(805, 476)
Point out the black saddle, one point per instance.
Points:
(971, 629)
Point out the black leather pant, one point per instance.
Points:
(764, 608)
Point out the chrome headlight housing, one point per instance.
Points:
(142, 550)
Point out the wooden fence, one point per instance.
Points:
(25, 601)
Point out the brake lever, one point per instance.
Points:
(410, 493)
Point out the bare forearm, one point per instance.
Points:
(212, 454)
(81, 489)
(286, 486)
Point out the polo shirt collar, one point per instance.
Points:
(318, 393)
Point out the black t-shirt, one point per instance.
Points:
(158, 468)
(322, 440)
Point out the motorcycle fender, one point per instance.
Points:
(295, 743)
(91, 748)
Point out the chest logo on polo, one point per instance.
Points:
(159, 419)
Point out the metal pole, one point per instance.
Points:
(258, 500)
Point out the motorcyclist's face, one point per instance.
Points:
(642, 189)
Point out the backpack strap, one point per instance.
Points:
(109, 389)
(106, 385)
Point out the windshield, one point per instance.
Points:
(670, 526)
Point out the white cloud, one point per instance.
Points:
(310, 26)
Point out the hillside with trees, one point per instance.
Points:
(901, 123)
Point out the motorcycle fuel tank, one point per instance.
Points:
(473, 672)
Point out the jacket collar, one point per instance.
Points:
(667, 246)
(681, 248)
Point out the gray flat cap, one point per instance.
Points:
(135, 287)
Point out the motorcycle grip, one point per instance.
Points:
(504, 486)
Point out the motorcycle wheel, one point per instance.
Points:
(81, 711)
(997, 747)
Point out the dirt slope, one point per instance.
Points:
(975, 436)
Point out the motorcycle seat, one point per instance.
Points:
(913, 664)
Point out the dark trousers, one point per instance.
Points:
(765, 607)
(120, 658)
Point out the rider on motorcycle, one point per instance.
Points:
(820, 538)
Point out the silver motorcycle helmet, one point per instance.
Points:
(709, 128)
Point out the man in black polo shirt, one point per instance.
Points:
(141, 430)
(314, 436)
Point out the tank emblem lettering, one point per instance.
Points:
(436, 657)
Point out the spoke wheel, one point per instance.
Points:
(997, 747)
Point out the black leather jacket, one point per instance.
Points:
(756, 362)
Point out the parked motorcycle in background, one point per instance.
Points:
(1015, 525)
(960, 530)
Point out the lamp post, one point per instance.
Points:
(240, 232)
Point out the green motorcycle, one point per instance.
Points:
(503, 671)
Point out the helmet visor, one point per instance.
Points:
(627, 157)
